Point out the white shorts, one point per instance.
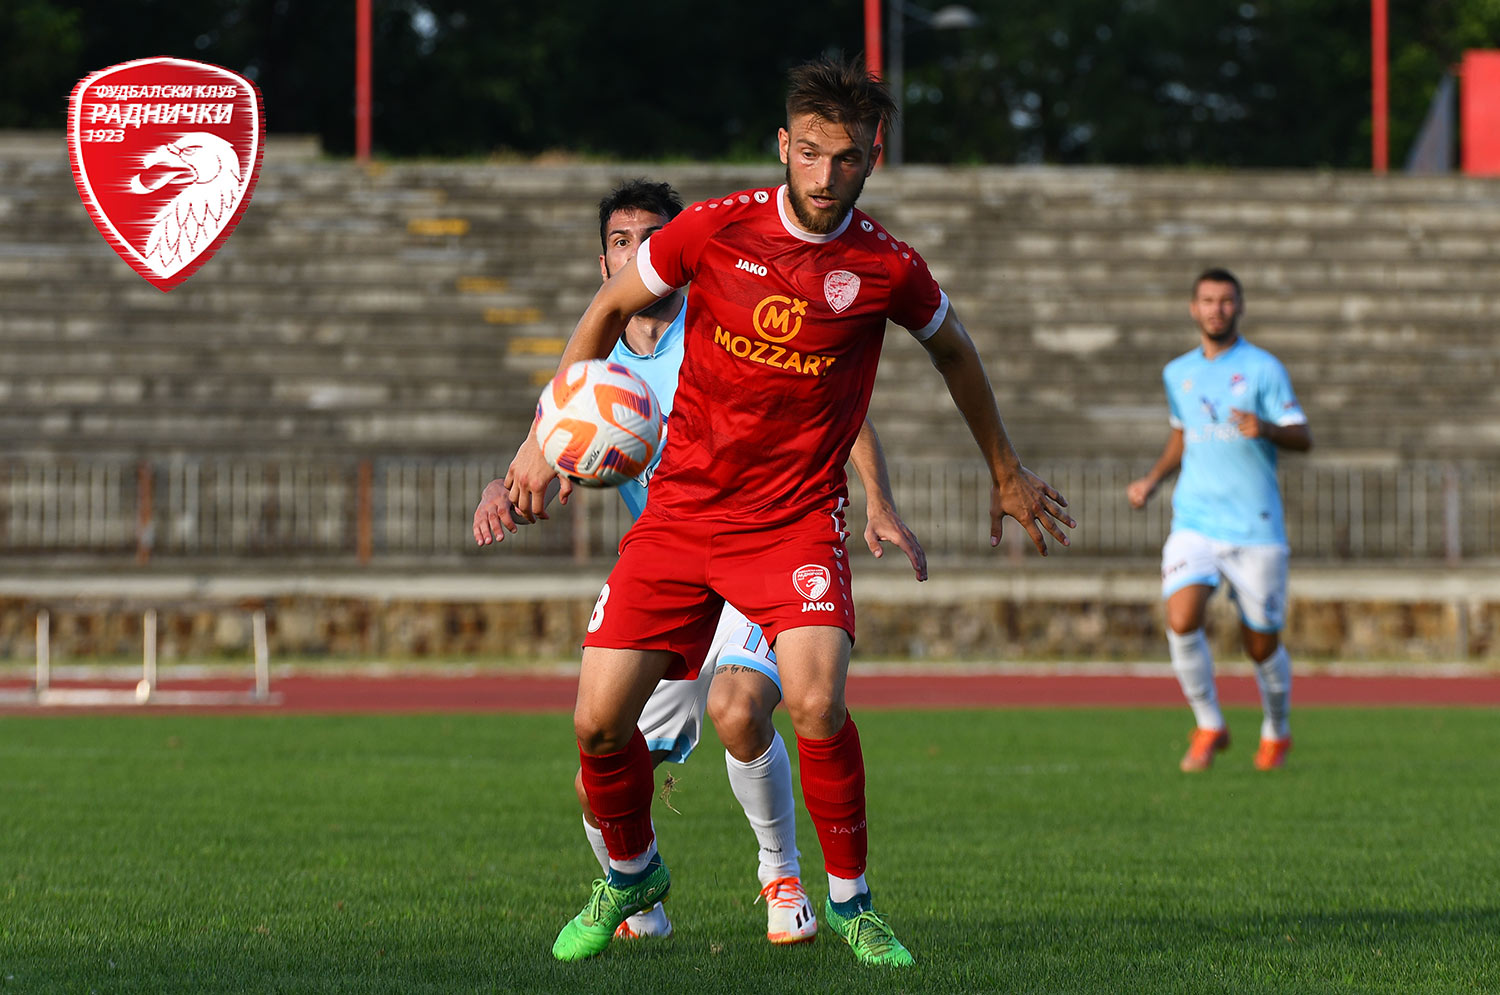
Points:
(1256, 574)
(673, 717)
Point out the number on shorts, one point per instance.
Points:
(597, 618)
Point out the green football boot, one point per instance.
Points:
(590, 931)
(870, 938)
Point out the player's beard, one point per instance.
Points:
(1225, 334)
(821, 222)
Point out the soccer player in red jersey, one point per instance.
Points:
(791, 291)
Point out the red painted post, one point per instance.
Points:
(872, 38)
(873, 62)
(364, 514)
(362, 80)
(1479, 113)
(1380, 107)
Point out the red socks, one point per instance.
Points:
(833, 789)
(620, 786)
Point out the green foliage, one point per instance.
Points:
(39, 46)
(1254, 83)
(1013, 851)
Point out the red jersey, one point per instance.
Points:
(783, 336)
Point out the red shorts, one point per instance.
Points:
(673, 577)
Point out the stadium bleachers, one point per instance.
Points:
(364, 351)
(412, 308)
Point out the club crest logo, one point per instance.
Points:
(840, 287)
(811, 581)
(1238, 385)
(165, 155)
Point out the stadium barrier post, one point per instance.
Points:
(43, 651)
(262, 656)
(148, 659)
(1453, 541)
(580, 531)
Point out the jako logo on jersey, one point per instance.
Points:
(840, 287)
(811, 580)
(748, 267)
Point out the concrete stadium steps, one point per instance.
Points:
(257, 429)
(417, 306)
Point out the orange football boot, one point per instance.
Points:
(1202, 745)
(1272, 753)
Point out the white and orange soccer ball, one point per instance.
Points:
(598, 424)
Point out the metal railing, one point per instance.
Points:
(363, 511)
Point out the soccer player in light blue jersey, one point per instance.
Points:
(1231, 408)
(739, 684)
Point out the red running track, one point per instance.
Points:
(348, 693)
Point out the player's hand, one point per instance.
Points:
(1034, 503)
(1138, 492)
(1248, 423)
(493, 518)
(527, 480)
(882, 524)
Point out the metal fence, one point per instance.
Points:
(362, 511)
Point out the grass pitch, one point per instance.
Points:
(1021, 851)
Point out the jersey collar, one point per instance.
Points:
(1205, 357)
(806, 236)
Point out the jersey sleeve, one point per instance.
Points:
(918, 304)
(1278, 401)
(669, 257)
(1174, 416)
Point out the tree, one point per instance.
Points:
(1251, 83)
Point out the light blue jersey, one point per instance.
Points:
(659, 370)
(1227, 489)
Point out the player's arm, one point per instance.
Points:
(882, 522)
(1139, 491)
(601, 326)
(495, 514)
(1015, 490)
(1297, 438)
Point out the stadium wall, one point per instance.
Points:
(1048, 613)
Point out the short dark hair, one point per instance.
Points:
(840, 90)
(1218, 274)
(638, 194)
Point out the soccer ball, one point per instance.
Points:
(598, 424)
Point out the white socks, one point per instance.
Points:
(764, 789)
(634, 865)
(596, 840)
(651, 922)
(846, 889)
(1194, 664)
(1274, 675)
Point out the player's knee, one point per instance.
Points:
(1259, 646)
(817, 713)
(1184, 621)
(743, 726)
(597, 737)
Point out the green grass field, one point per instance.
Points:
(1020, 851)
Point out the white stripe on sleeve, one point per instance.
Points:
(649, 277)
(928, 330)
